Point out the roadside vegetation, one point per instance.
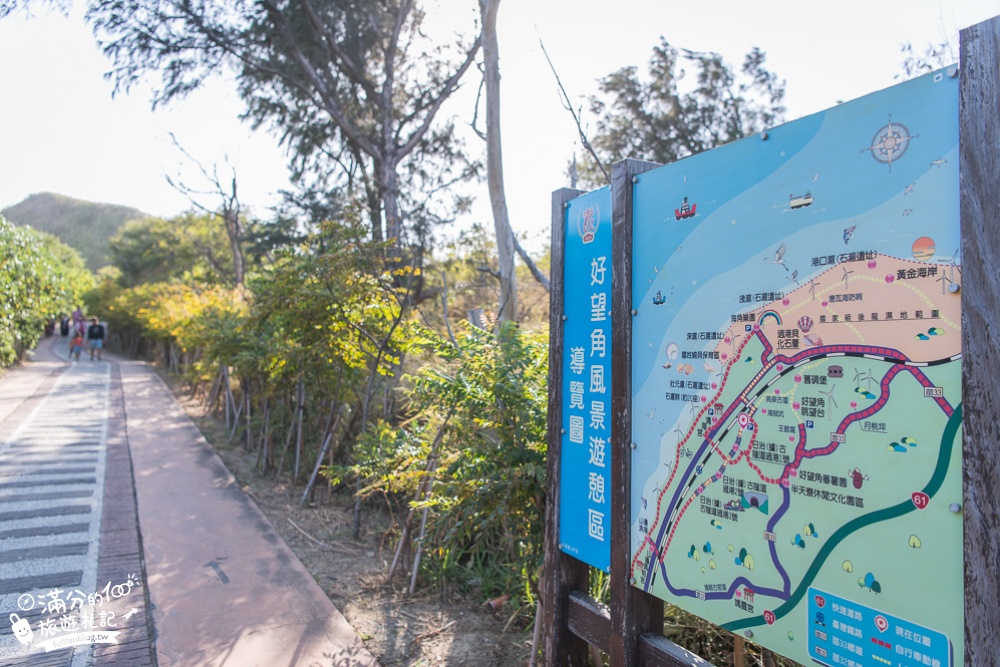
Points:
(354, 344)
(40, 277)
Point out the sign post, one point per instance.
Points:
(803, 396)
(979, 97)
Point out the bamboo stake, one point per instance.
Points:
(421, 489)
(265, 437)
(213, 394)
(536, 635)
(331, 427)
(298, 437)
(423, 519)
(230, 405)
(405, 535)
(236, 421)
(226, 397)
(248, 434)
(416, 558)
(288, 442)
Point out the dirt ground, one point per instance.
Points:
(428, 628)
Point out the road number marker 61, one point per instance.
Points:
(920, 499)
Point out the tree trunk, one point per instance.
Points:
(231, 216)
(389, 186)
(494, 163)
(298, 436)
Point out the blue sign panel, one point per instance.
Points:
(796, 396)
(585, 488)
(843, 632)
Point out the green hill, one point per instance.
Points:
(83, 225)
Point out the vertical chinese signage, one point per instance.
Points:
(585, 488)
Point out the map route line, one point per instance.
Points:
(802, 453)
(772, 545)
(899, 364)
(896, 511)
(683, 441)
(728, 594)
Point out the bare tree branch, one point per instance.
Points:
(229, 211)
(564, 97)
(542, 279)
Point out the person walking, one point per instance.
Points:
(78, 319)
(95, 337)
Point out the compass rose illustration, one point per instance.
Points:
(890, 143)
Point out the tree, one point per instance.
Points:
(187, 247)
(353, 87)
(39, 277)
(934, 56)
(229, 208)
(494, 163)
(654, 120)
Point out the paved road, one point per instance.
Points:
(119, 524)
(65, 487)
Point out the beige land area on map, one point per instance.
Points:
(917, 305)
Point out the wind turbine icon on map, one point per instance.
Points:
(833, 401)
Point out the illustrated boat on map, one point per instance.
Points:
(686, 210)
(659, 299)
(800, 201)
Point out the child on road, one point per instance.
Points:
(76, 345)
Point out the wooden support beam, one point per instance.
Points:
(655, 650)
(633, 611)
(590, 620)
(562, 573)
(979, 165)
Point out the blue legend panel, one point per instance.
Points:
(843, 633)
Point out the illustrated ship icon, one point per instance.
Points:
(686, 210)
(659, 299)
(800, 201)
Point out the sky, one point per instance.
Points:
(62, 131)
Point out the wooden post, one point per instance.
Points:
(563, 574)
(633, 611)
(739, 652)
(979, 165)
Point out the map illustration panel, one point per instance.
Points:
(796, 383)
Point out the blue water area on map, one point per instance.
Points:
(746, 239)
(843, 632)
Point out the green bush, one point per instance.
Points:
(484, 402)
(39, 278)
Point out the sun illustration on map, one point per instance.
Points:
(890, 143)
(923, 248)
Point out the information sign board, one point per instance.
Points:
(796, 377)
(585, 489)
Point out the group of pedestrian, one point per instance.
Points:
(92, 335)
